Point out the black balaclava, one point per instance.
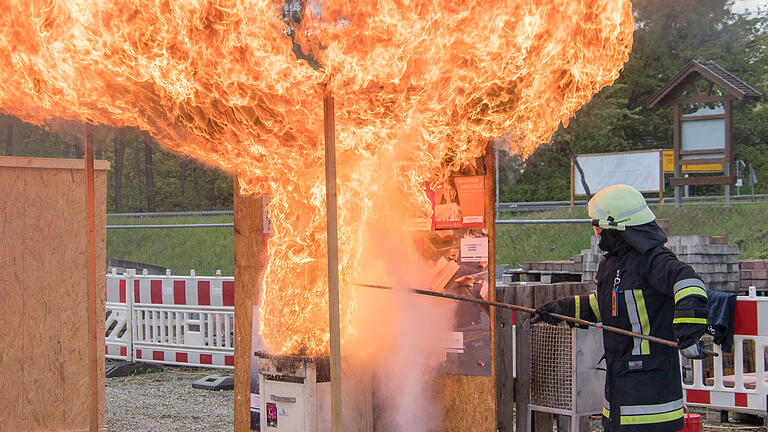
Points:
(641, 238)
(610, 240)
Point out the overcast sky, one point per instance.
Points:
(742, 5)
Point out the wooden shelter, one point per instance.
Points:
(52, 307)
(467, 402)
(702, 95)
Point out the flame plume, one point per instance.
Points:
(420, 88)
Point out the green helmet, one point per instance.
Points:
(619, 206)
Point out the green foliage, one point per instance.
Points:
(667, 36)
(180, 249)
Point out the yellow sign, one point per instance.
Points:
(669, 165)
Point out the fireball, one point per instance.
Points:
(420, 88)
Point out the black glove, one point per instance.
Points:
(557, 307)
(695, 351)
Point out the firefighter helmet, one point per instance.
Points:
(618, 207)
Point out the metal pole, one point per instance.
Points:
(333, 261)
(541, 221)
(530, 311)
(93, 339)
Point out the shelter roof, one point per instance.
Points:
(710, 71)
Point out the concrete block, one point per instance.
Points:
(673, 241)
(694, 240)
(747, 264)
(721, 240)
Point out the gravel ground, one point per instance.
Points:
(166, 402)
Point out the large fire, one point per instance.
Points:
(420, 88)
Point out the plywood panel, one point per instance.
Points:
(52, 163)
(68, 277)
(12, 294)
(42, 376)
(44, 291)
(468, 402)
(250, 259)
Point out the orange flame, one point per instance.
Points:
(420, 87)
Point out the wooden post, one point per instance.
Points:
(523, 297)
(250, 261)
(505, 347)
(728, 156)
(661, 177)
(333, 261)
(93, 337)
(678, 147)
(573, 186)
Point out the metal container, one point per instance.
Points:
(295, 395)
(565, 376)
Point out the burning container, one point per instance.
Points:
(295, 395)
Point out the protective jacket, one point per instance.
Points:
(643, 287)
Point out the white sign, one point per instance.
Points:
(642, 170)
(474, 249)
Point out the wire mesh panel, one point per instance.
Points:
(551, 366)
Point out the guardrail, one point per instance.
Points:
(689, 201)
(180, 320)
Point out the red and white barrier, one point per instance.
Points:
(742, 392)
(180, 320)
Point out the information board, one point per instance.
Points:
(641, 170)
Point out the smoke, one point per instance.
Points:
(399, 334)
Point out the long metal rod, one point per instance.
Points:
(139, 226)
(540, 221)
(175, 214)
(333, 261)
(530, 311)
(93, 339)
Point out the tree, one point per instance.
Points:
(9, 136)
(149, 174)
(667, 36)
(119, 142)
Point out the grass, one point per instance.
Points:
(743, 224)
(180, 249)
(209, 249)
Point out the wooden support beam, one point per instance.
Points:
(699, 99)
(333, 261)
(702, 161)
(696, 181)
(250, 261)
(93, 336)
(689, 118)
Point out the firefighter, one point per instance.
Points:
(642, 287)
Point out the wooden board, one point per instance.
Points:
(50, 163)
(505, 384)
(524, 297)
(48, 297)
(11, 284)
(469, 402)
(250, 261)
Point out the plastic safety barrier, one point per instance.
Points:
(729, 387)
(179, 320)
